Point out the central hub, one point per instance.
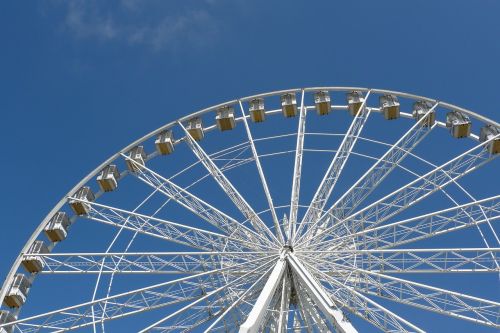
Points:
(285, 250)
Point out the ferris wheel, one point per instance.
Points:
(325, 209)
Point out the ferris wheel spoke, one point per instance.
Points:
(311, 311)
(442, 301)
(272, 315)
(260, 308)
(216, 291)
(196, 316)
(305, 280)
(411, 193)
(248, 293)
(306, 320)
(141, 262)
(265, 187)
(426, 226)
(126, 304)
(284, 310)
(156, 227)
(372, 178)
(337, 164)
(364, 307)
(198, 207)
(227, 186)
(469, 260)
(299, 322)
(297, 170)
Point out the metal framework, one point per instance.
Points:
(168, 251)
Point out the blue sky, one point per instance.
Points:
(80, 80)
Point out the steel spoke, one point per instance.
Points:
(250, 290)
(442, 301)
(317, 293)
(201, 299)
(265, 187)
(141, 262)
(407, 260)
(197, 206)
(125, 304)
(334, 171)
(411, 193)
(426, 226)
(259, 310)
(358, 192)
(297, 170)
(365, 307)
(227, 186)
(156, 227)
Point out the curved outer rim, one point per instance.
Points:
(15, 267)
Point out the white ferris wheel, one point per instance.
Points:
(306, 210)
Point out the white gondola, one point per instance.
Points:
(322, 102)
(490, 132)
(5, 318)
(79, 207)
(195, 128)
(420, 109)
(165, 142)
(108, 178)
(459, 124)
(354, 101)
(389, 105)
(257, 110)
(225, 118)
(57, 228)
(289, 105)
(34, 264)
(136, 155)
(18, 291)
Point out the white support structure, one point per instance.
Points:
(142, 262)
(167, 230)
(259, 310)
(314, 316)
(413, 261)
(124, 304)
(284, 304)
(297, 170)
(257, 273)
(263, 180)
(316, 292)
(252, 288)
(425, 226)
(227, 186)
(445, 302)
(410, 194)
(364, 307)
(203, 298)
(336, 166)
(199, 207)
(365, 185)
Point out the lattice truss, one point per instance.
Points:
(337, 260)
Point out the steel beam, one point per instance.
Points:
(321, 299)
(259, 310)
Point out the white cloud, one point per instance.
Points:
(195, 28)
(134, 24)
(84, 21)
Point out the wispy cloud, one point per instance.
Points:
(134, 23)
(194, 27)
(85, 20)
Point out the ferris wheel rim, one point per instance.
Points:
(93, 173)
